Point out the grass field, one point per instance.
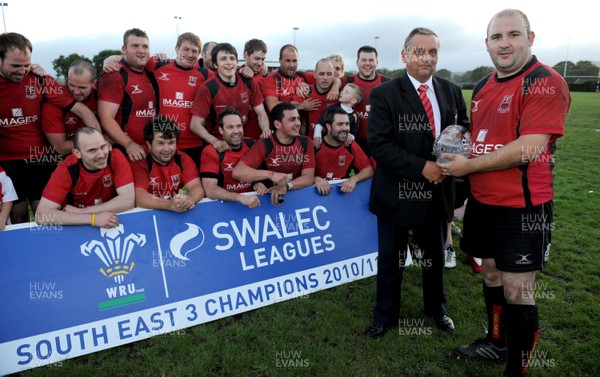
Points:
(320, 334)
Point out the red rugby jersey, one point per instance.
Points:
(92, 187)
(21, 135)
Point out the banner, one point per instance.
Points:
(67, 291)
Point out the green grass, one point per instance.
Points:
(323, 330)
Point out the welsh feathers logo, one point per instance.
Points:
(115, 255)
(115, 252)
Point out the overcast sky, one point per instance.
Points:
(566, 29)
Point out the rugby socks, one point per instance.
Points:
(522, 326)
(494, 305)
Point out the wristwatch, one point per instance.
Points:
(290, 185)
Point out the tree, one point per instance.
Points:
(560, 67)
(479, 73)
(444, 73)
(62, 63)
(98, 59)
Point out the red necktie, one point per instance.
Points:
(427, 104)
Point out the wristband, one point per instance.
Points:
(93, 219)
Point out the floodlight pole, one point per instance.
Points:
(2, 5)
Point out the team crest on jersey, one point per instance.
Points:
(192, 80)
(107, 180)
(244, 97)
(30, 92)
(164, 76)
(342, 160)
(136, 89)
(475, 106)
(175, 180)
(505, 104)
(70, 120)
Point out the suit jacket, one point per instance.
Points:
(401, 146)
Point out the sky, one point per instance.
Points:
(568, 30)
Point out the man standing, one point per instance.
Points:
(319, 91)
(216, 167)
(22, 144)
(518, 112)
(205, 60)
(409, 190)
(178, 81)
(127, 98)
(60, 125)
(367, 78)
(287, 157)
(161, 177)
(255, 52)
(227, 89)
(335, 160)
(281, 85)
(89, 187)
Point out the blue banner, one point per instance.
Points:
(67, 291)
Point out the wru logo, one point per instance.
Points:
(116, 252)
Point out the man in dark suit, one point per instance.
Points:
(409, 190)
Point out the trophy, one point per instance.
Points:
(453, 139)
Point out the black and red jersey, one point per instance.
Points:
(364, 106)
(251, 128)
(135, 93)
(337, 162)
(278, 85)
(164, 181)
(61, 121)
(71, 183)
(219, 166)
(313, 116)
(291, 159)
(215, 95)
(177, 87)
(534, 101)
(21, 135)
